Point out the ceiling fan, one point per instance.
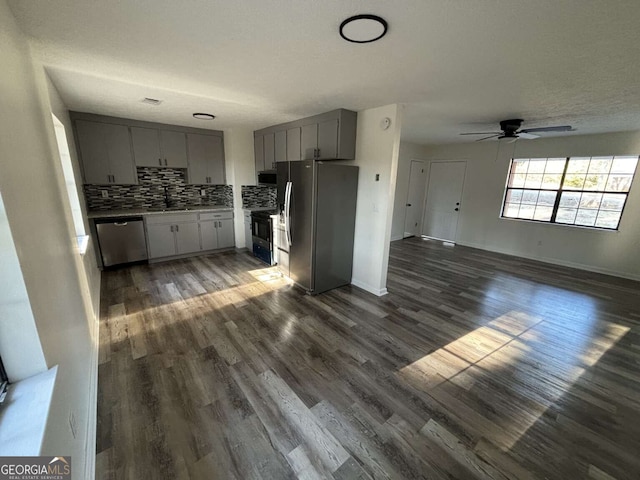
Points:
(511, 129)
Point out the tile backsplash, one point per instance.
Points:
(150, 192)
(254, 196)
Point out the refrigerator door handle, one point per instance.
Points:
(287, 212)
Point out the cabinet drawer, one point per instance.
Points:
(215, 215)
(171, 218)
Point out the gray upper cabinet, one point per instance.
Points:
(293, 144)
(173, 148)
(146, 147)
(206, 159)
(269, 151)
(328, 136)
(280, 147)
(105, 152)
(309, 141)
(153, 147)
(328, 140)
(258, 148)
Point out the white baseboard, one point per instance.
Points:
(379, 292)
(92, 420)
(554, 261)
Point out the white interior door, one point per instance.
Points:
(444, 196)
(415, 198)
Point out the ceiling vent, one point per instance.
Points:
(151, 101)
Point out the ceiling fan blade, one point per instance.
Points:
(487, 138)
(481, 133)
(528, 136)
(560, 128)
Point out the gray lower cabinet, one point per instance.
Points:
(216, 230)
(172, 234)
(105, 152)
(206, 159)
(154, 147)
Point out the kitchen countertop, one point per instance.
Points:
(258, 209)
(135, 212)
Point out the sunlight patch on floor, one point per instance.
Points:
(519, 349)
(455, 357)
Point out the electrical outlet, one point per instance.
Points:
(105, 193)
(377, 177)
(203, 193)
(72, 424)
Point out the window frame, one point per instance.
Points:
(560, 190)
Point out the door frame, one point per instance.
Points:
(427, 166)
(426, 193)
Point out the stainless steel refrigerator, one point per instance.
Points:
(318, 207)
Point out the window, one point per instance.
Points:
(70, 182)
(583, 191)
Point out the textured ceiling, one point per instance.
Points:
(458, 65)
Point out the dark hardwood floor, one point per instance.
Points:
(475, 366)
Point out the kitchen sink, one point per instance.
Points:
(173, 209)
(167, 209)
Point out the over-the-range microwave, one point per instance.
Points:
(268, 177)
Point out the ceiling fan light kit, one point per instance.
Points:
(511, 129)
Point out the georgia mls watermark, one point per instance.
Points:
(35, 468)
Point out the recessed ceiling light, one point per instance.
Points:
(151, 101)
(363, 28)
(204, 116)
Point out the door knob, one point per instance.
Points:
(408, 204)
(457, 209)
(457, 203)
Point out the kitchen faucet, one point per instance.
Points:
(167, 200)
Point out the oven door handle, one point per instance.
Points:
(287, 212)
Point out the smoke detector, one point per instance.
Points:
(151, 101)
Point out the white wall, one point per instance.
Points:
(376, 153)
(480, 226)
(89, 271)
(240, 169)
(37, 208)
(19, 344)
(408, 152)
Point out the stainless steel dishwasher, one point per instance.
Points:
(121, 240)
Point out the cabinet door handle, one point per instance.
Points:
(177, 228)
(171, 227)
(160, 161)
(113, 177)
(165, 162)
